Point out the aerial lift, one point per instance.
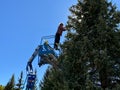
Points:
(46, 55)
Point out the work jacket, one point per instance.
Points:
(60, 30)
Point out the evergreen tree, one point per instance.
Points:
(91, 51)
(94, 43)
(53, 80)
(20, 82)
(1, 87)
(10, 84)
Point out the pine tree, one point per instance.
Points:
(1, 87)
(91, 51)
(53, 80)
(20, 82)
(10, 84)
(94, 43)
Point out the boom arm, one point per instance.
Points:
(47, 56)
(29, 64)
(46, 53)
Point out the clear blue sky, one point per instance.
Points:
(22, 24)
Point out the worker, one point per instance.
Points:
(60, 29)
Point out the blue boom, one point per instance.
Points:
(47, 56)
(45, 52)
